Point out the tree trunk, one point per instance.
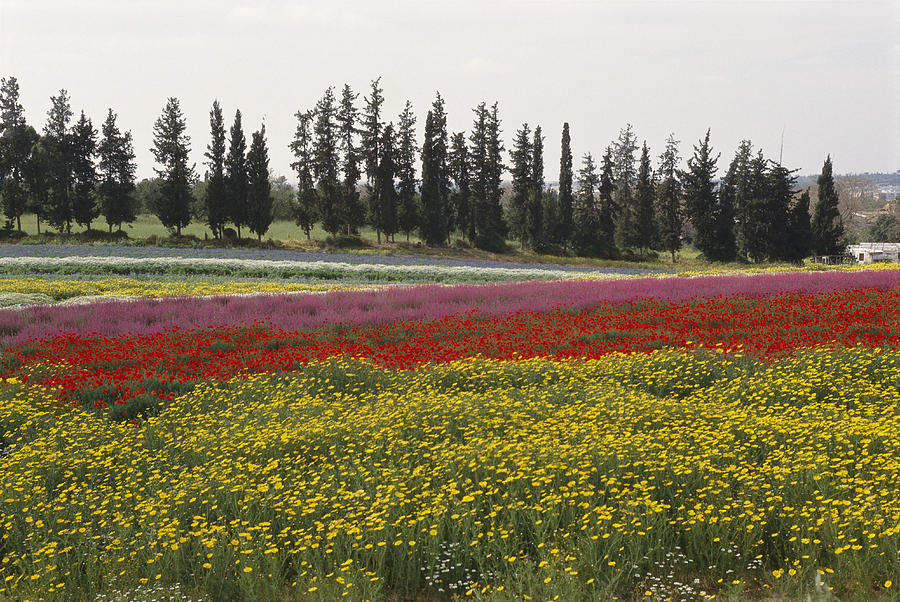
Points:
(378, 234)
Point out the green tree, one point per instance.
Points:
(522, 175)
(799, 244)
(16, 141)
(216, 198)
(435, 176)
(461, 198)
(148, 193)
(116, 170)
(372, 126)
(737, 186)
(712, 220)
(491, 230)
(171, 148)
(752, 196)
(85, 208)
(37, 179)
(325, 164)
(885, 229)
(259, 189)
(534, 218)
(669, 214)
(644, 197)
(408, 214)
(780, 183)
(485, 179)
(58, 143)
(347, 118)
(283, 195)
(553, 232)
(586, 210)
(387, 193)
(609, 209)
(565, 188)
(827, 227)
(625, 176)
(236, 175)
(306, 210)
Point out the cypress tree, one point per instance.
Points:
(780, 188)
(407, 207)
(16, 141)
(645, 225)
(493, 234)
(553, 233)
(755, 222)
(84, 174)
(325, 164)
(737, 187)
(461, 198)
(387, 193)
(216, 194)
(371, 139)
(586, 211)
(259, 189)
(712, 220)
(58, 141)
(487, 168)
(669, 216)
(435, 176)
(38, 170)
(609, 209)
(478, 164)
(522, 175)
(827, 227)
(171, 148)
(565, 186)
(236, 174)
(347, 117)
(799, 242)
(534, 223)
(301, 146)
(116, 170)
(625, 175)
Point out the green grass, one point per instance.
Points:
(147, 229)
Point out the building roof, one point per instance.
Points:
(889, 247)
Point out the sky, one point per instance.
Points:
(822, 76)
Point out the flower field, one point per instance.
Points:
(727, 436)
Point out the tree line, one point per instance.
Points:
(355, 167)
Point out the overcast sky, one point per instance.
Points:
(826, 73)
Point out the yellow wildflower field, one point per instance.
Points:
(681, 474)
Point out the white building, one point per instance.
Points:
(875, 252)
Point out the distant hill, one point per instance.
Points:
(877, 179)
